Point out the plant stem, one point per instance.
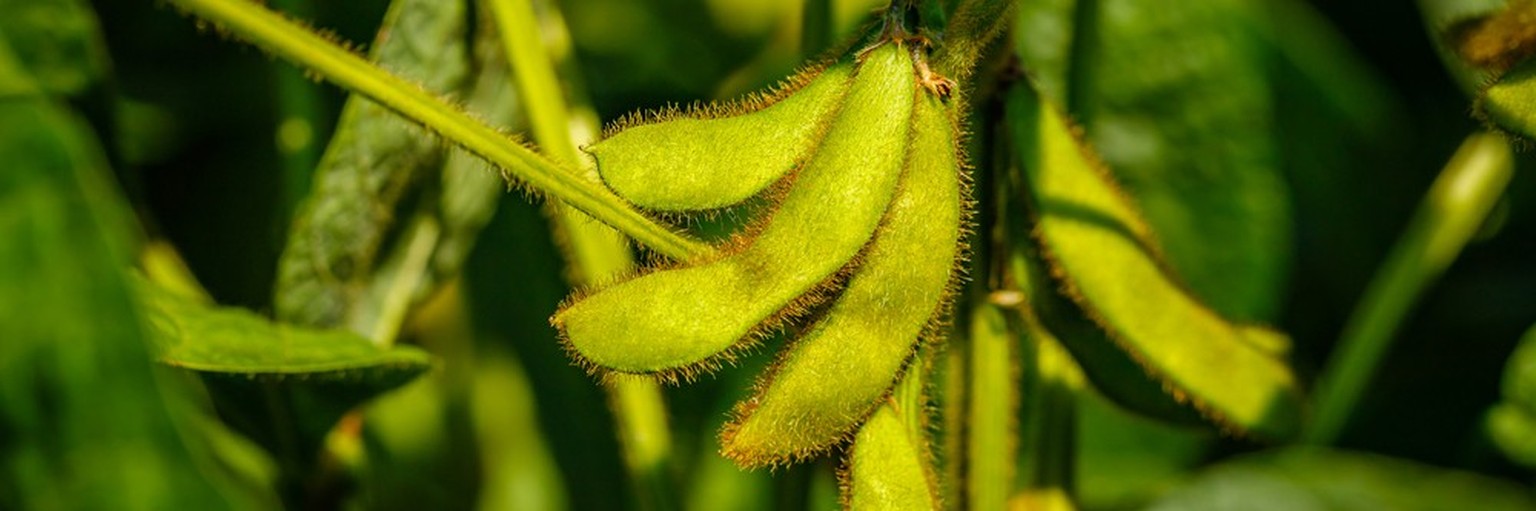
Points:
(1456, 205)
(292, 41)
(815, 27)
(992, 445)
(970, 28)
(1079, 89)
(596, 252)
(1048, 430)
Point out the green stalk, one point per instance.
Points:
(992, 444)
(815, 27)
(292, 41)
(1048, 430)
(597, 253)
(967, 33)
(1085, 35)
(1456, 205)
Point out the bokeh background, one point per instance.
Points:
(202, 162)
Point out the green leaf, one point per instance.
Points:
(234, 341)
(817, 394)
(291, 41)
(284, 386)
(1308, 479)
(470, 188)
(1511, 424)
(1192, 140)
(1107, 262)
(676, 320)
(86, 423)
(723, 155)
(373, 160)
(1127, 459)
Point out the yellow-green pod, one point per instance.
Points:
(1104, 255)
(888, 466)
(677, 319)
(700, 163)
(819, 393)
(1508, 101)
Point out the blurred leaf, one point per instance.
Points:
(229, 340)
(1044, 37)
(420, 449)
(1512, 423)
(513, 280)
(1125, 460)
(1175, 97)
(14, 80)
(470, 187)
(1192, 138)
(519, 470)
(284, 386)
(1304, 479)
(83, 422)
(57, 41)
(374, 159)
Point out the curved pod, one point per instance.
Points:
(798, 410)
(689, 163)
(677, 319)
(1104, 255)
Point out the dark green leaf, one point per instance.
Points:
(373, 160)
(1175, 97)
(84, 424)
(1512, 423)
(284, 386)
(57, 42)
(1305, 480)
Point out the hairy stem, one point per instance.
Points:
(596, 252)
(291, 41)
(967, 33)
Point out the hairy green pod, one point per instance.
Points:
(690, 163)
(818, 394)
(1104, 255)
(675, 319)
(1508, 102)
(889, 466)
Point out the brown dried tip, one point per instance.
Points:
(1499, 41)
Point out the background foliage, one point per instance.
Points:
(1342, 112)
